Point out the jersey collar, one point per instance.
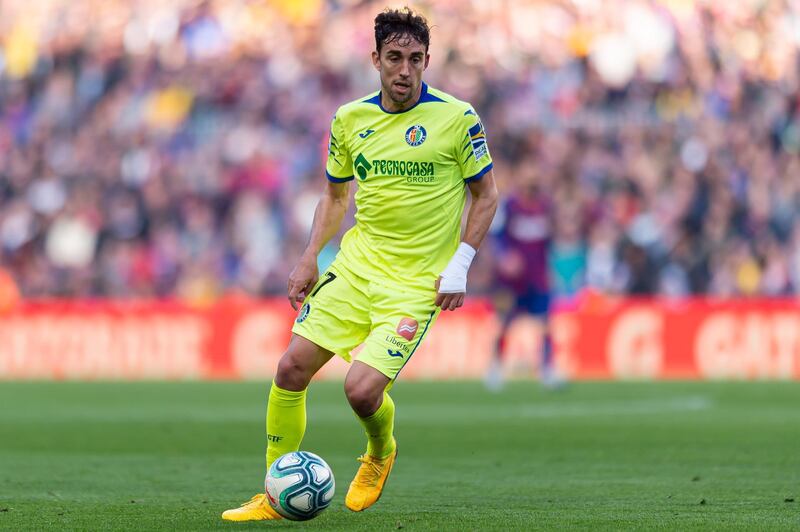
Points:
(424, 96)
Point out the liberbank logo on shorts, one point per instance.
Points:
(413, 171)
(402, 348)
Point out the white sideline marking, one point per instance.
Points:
(490, 412)
(429, 413)
(615, 408)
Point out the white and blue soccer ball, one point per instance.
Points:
(299, 485)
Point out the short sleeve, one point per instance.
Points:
(339, 167)
(473, 151)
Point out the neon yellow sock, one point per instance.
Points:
(286, 422)
(379, 428)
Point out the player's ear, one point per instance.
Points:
(376, 60)
(427, 59)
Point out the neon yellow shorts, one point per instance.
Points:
(345, 310)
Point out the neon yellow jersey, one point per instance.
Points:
(411, 168)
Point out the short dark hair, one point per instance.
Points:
(394, 24)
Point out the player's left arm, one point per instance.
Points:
(452, 284)
(482, 209)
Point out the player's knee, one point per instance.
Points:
(363, 399)
(291, 374)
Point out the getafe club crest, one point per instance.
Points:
(415, 135)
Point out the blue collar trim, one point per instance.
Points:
(424, 97)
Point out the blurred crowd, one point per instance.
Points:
(175, 149)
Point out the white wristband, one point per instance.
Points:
(454, 276)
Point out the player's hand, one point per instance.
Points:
(450, 301)
(302, 279)
(451, 286)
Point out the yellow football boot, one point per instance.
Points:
(256, 509)
(367, 486)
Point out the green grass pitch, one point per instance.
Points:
(172, 456)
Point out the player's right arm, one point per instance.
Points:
(329, 213)
(327, 220)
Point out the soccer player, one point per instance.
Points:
(522, 236)
(413, 151)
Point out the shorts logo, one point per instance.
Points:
(303, 313)
(416, 135)
(407, 328)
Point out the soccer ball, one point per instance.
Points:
(299, 485)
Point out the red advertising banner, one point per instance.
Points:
(681, 339)
(244, 339)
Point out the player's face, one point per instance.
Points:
(401, 63)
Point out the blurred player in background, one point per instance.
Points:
(413, 150)
(522, 238)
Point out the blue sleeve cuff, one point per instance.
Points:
(479, 174)
(334, 179)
